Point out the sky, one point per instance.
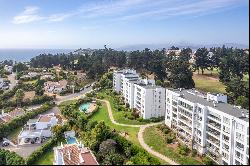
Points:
(118, 23)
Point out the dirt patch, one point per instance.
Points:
(29, 95)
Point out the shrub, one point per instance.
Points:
(183, 150)
(10, 158)
(207, 161)
(194, 152)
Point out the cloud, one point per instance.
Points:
(28, 15)
(124, 10)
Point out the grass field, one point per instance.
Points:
(208, 84)
(46, 159)
(156, 141)
(102, 115)
(119, 115)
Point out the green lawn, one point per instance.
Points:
(46, 159)
(30, 82)
(156, 141)
(102, 115)
(208, 84)
(119, 115)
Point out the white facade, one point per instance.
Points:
(149, 100)
(209, 125)
(1, 83)
(118, 77)
(8, 68)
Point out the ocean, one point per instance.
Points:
(24, 55)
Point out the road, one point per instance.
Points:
(13, 81)
(60, 99)
(140, 135)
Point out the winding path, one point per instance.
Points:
(140, 134)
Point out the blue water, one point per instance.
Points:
(71, 140)
(84, 106)
(24, 55)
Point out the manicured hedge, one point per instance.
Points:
(7, 128)
(10, 158)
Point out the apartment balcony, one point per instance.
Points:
(214, 150)
(217, 119)
(214, 133)
(187, 115)
(214, 124)
(226, 148)
(174, 110)
(213, 140)
(185, 128)
(185, 121)
(215, 157)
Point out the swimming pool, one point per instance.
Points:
(84, 107)
(71, 140)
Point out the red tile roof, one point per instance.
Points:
(74, 155)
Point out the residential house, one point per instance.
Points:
(7, 117)
(8, 68)
(55, 87)
(73, 154)
(37, 129)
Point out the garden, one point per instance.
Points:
(163, 140)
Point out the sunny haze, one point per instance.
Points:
(124, 82)
(119, 23)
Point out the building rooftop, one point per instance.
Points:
(74, 155)
(200, 98)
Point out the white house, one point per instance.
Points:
(8, 68)
(208, 124)
(73, 154)
(37, 129)
(55, 87)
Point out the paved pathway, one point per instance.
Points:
(140, 135)
(148, 149)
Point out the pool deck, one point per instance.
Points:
(92, 107)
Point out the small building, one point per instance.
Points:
(7, 117)
(47, 77)
(55, 87)
(73, 154)
(37, 129)
(8, 68)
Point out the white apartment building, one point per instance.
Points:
(129, 86)
(119, 76)
(206, 122)
(141, 94)
(149, 100)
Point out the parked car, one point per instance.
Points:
(5, 143)
(26, 140)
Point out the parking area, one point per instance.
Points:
(24, 151)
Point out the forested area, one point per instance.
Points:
(170, 70)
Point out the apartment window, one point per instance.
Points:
(238, 155)
(226, 120)
(226, 129)
(225, 155)
(237, 162)
(168, 100)
(239, 126)
(168, 117)
(240, 136)
(239, 146)
(226, 138)
(199, 110)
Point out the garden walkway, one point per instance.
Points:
(140, 134)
